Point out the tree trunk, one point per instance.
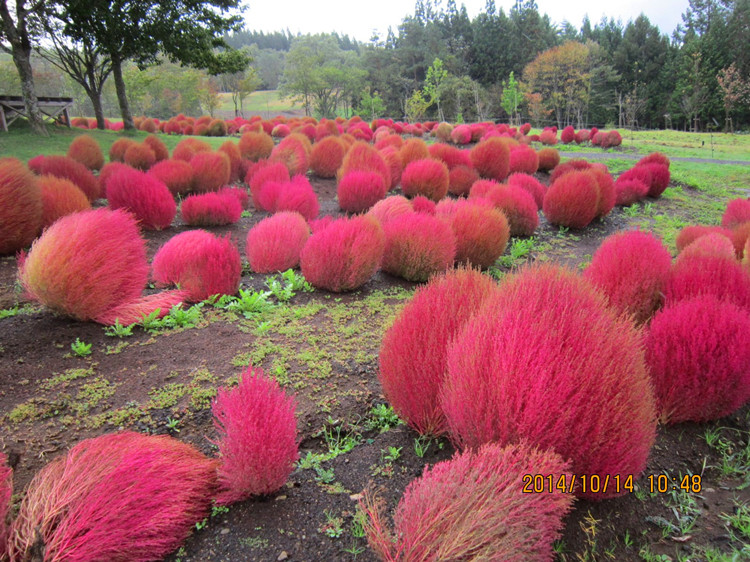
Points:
(122, 98)
(96, 101)
(22, 60)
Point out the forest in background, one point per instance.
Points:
(441, 64)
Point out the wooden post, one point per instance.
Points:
(3, 122)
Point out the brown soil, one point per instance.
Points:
(129, 387)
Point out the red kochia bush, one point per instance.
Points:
(64, 167)
(118, 148)
(145, 196)
(21, 207)
(698, 352)
(708, 274)
(255, 146)
(60, 197)
(92, 266)
(200, 263)
(358, 190)
(530, 184)
(363, 157)
(263, 173)
(523, 159)
(187, 148)
(491, 158)
(426, 177)
(629, 191)
(421, 204)
(292, 153)
(235, 159)
(576, 165)
(460, 180)
(632, 269)
(140, 156)
(6, 494)
(275, 243)
(692, 232)
(412, 150)
(258, 444)
(481, 232)
(518, 206)
(655, 158)
(177, 175)
(344, 255)
(120, 496)
(736, 213)
(549, 158)
(417, 246)
(297, 195)
(326, 156)
(450, 155)
(606, 188)
(659, 178)
(413, 351)
(461, 134)
(568, 135)
(572, 200)
(572, 380)
(86, 150)
(211, 171)
(712, 244)
(547, 136)
(161, 152)
(390, 207)
(211, 209)
(472, 507)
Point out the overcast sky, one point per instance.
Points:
(359, 18)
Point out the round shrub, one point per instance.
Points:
(392, 161)
(187, 148)
(546, 361)
(692, 232)
(413, 150)
(358, 191)
(606, 188)
(344, 255)
(517, 205)
(258, 445)
(451, 156)
(421, 204)
(628, 192)
(548, 137)
(576, 165)
(86, 150)
(255, 145)
(390, 207)
(109, 170)
(327, 156)
(711, 244)
(417, 246)
(659, 178)
(118, 148)
(200, 263)
(472, 507)
(211, 171)
(460, 180)
(297, 195)
(281, 131)
(292, 153)
(740, 235)
(426, 177)
(387, 138)
(139, 156)
(60, 197)
(655, 158)
(363, 157)
(64, 167)
(698, 354)
(92, 266)
(568, 135)
(259, 176)
(549, 158)
(216, 208)
(117, 496)
(461, 134)
(481, 233)
(145, 196)
(523, 159)
(631, 268)
(217, 128)
(275, 243)
(413, 351)
(491, 158)
(572, 200)
(21, 206)
(235, 159)
(736, 213)
(177, 175)
(530, 184)
(161, 152)
(714, 274)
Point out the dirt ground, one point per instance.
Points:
(326, 352)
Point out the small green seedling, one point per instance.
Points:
(81, 349)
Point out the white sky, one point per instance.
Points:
(359, 18)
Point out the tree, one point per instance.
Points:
(736, 90)
(436, 75)
(416, 107)
(511, 98)
(371, 105)
(237, 78)
(18, 29)
(186, 30)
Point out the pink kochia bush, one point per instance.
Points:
(275, 243)
(573, 378)
(413, 351)
(711, 273)
(258, 443)
(344, 254)
(428, 177)
(472, 507)
(632, 269)
(21, 206)
(572, 200)
(698, 352)
(736, 213)
(417, 246)
(120, 496)
(64, 167)
(146, 197)
(491, 158)
(211, 209)
(359, 190)
(298, 196)
(259, 176)
(92, 266)
(390, 207)
(201, 263)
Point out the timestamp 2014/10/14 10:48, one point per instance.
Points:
(608, 484)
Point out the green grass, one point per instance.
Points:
(265, 102)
